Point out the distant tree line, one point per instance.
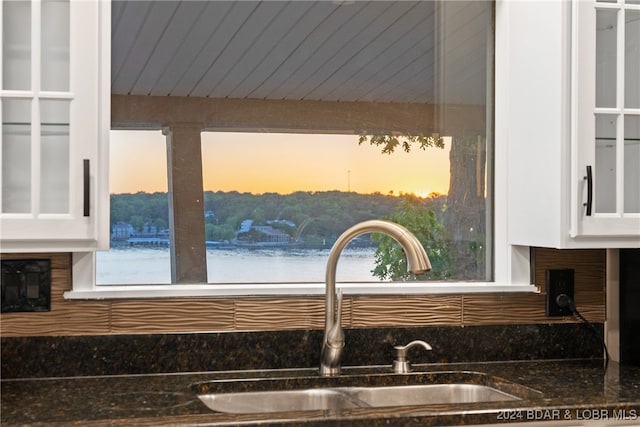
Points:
(318, 216)
(139, 209)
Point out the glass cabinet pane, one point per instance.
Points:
(606, 36)
(632, 59)
(631, 164)
(54, 164)
(16, 156)
(55, 45)
(605, 167)
(16, 45)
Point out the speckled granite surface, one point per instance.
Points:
(151, 380)
(574, 390)
(158, 353)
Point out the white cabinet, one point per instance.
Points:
(547, 100)
(606, 118)
(55, 118)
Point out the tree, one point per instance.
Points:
(219, 232)
(137, 221)
(465, 218)
(423, 223)
(389, 143)
(465, 213)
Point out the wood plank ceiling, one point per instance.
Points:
(380, 51)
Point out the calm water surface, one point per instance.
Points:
(151, 266)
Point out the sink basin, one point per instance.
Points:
(279, 401)
(429, 394)
(337, 399)
(351, 392)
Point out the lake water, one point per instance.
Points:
(151, 265)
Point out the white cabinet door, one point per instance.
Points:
(606, 119)
(53, 110)
(547, 119)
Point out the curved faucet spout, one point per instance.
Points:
(417, 263)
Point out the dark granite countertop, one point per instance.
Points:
(555, 390)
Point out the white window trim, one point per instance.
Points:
(511, 263)
(288, 289)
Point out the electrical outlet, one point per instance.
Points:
(558, 282)
(25, 285)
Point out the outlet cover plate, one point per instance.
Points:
(25, 285)
(558, 281)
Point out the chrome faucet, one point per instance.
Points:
(417, 263)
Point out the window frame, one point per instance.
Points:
(511, 262)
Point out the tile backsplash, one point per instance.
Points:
(185, 315)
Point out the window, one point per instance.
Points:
(261, 208)
(139, 239)
(383, 73)
(278, 201)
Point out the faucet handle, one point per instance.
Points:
(401, 365)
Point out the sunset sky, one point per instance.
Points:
(281, 163)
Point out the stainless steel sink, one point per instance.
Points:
(279, 401)
(429, 394)
(351, 392)
(340, 398)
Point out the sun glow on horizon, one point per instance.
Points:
(281, 163)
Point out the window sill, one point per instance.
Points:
(288, 289)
